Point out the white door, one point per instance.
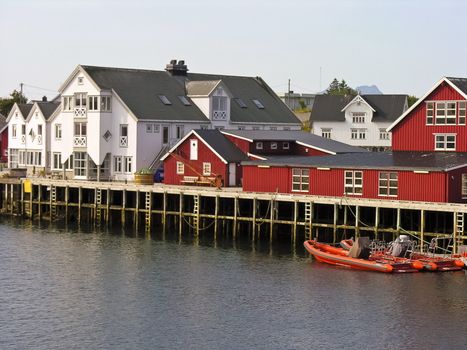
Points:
(232, 174)
(193, 149)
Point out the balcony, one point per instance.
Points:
(79, 141)
(219, 115)
(80, 112)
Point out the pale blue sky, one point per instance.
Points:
(402, 46)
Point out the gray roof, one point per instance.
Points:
(461, 83)
(329, 107)
(25, 108)
(2, 121)
(424, 161)
(47, 108)
(312, 140)
(139, 89)
(222, 145)
(200, 88)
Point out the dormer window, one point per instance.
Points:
(164, 100)
(358, 117)
(219, 107)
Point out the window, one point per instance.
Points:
(56, 161)
(156, 128)
(80, 160)
(67, 103)
(358, 117)
(206, 169)
(445, 142)
(13, 131)
(326, 133)
(93, 103)
(106, 104)
(383, 134)
(464, 186)
(353, 182)
(241, 127)
(430, 112)
(123, 135)
(13, 158)
(23, 129)
(300, 180)
(358, 134)
(39, 129)
(80, 100)
(259, 145)
(273, 128)
(127, 164)
(80, 129)
(285, 145)
(258, 104)
(80, 80)
(387, 184)
(148, 128)
(462, 107)
(219, 103)
(180, 130)
(117, 164)
(273, 145)
(164, 100)
(240, 102)
(256, 128)
(58, 131)
(445, 113)
(69, 163)
(165, 135)
(184, 100)
(180, 168)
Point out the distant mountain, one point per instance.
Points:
(368, 90)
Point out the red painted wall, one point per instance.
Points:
(411, 186)
(4, 145)
(411, 134)
(244, 145)
(204, 155)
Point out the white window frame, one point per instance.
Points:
(57, 161)
(149, 128)
(353, 182)
(259, 145)
(326, 133)
(14, 131)
(206, 169)
(430, 113)
(445, 142)
(58, 131)
(273, 145)
(67, 103)
(358, 117)
(464, 186)
(179, 131)
(124, 138)
(127, 164)
(388, 183)
(80, 100)
(300, 180)
(93, 103)
(106, 104)
(383, 134)
(180, 168)
(462, 105)
(285, 145)
(118, 164)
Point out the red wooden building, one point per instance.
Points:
(3, 139)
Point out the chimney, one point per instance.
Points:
(44, 98)
(176, 68)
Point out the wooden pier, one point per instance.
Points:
(202, 209)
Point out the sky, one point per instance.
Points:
(402, 46)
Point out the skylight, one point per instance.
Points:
(184, 100)
(240, 102)
(258, 104)
(165, 100)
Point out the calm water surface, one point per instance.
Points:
(83, 289)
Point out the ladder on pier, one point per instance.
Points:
(308, 219)
(98, 205)
(457, 235)
(196, 212)
(148, 207)
(53, 203)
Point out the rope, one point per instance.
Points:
(199, 229)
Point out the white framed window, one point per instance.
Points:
(80, 100)
(149, 128)
(206, 169)
(462, 108)
(358, 117)
(445, 142)
(80, 161)
(180, 131)
(430, 112)
(106, 105)
(13, 157)
(21, 157)
(93, 102)
(383, 134)
(23, 129)
(219, 103)
(118, 164)
(388, 184)
(464, 186)
(67, 103)
(80, 80)
(56, 161)
(39, 129)
(127, 163)
(353, 182)
(156, 128)
(58, 131)
(180, 168)
(69, 163)
(259, 145)
(256, 128)
(285, 145)
(445, 113)
(13, 131)
(273, 128)
(123, 135)
(273, 145)
(300, 180)
(326, 133)
(358, 134)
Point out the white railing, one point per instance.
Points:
(219, 115)
(23, 138)
(79, 141)
(80, 112)
(123, 141)
(39, 139)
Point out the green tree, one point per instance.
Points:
(340, 88)
(411, 100)
(6, 104)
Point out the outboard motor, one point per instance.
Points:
(399, 246)
(360, 248)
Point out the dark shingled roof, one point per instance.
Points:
(47, 108)
(139, 89)
(2, 121)
(222, 145)
(461, 83)
(422, 161)
(25, 108)
(312, 140)
(329, 107)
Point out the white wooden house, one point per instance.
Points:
(359, 120)
(114, 121)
